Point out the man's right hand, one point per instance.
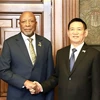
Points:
(34, 87)
(29, 85)
(38, 88)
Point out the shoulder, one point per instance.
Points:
(42, 39)
(63, 50)
(13, 37)
(91, 50)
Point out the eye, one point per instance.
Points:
(32, 21)
(79, 29)
(71, 29)
(23, 21)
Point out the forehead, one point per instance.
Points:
(76, 24)
(27, 15)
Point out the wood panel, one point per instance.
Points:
(10, 10)
(72, 11)
(62, 12)
(55, 30)
(21, 0)
(2, 98)
(9, 24)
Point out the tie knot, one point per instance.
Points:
(74, 50)
(30, 39)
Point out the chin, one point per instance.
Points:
(29, 35)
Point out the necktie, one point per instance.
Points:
(72, 59)
(31, 50)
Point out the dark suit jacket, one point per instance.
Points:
(83, 83)
(16, 67)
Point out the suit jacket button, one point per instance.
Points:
(70, 79)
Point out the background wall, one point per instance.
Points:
(53, 17)
(90, 13)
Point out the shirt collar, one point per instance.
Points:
(78, 47)
(26, 37)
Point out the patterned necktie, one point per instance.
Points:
(72, 59)
(31, 50)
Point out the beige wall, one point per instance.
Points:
(59, 15)
(90, 13)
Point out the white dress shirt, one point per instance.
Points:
(25, 38)
(78, 48)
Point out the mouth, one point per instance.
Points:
(75, 36)
(27, 29)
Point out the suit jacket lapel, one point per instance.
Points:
(66, 58)
(39, 46)
(23, 48)
(80, 57)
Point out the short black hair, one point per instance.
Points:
(77, 20)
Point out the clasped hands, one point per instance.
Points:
(34, 87)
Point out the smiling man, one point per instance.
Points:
(77, 70)
(26, 57)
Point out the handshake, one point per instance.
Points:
(34, 87)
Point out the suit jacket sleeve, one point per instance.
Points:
(52, 82)
(50, 70)
(96, 77)
(5, 68)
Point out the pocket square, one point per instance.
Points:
(39, 44)
(84, 51)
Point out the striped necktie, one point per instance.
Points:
(31, 50)
(72, 59)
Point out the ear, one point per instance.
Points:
(68, 33)
(86, 33)
(36, 23)
(19, 23)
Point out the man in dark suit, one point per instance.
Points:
(16, 67)
(82, 82)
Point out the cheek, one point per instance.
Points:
(82, 37)
(69, 35)
(22, 26)
(34, 25)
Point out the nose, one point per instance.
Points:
(27, 23)
(75, 32)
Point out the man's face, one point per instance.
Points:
(77, 33)
(27, 23)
